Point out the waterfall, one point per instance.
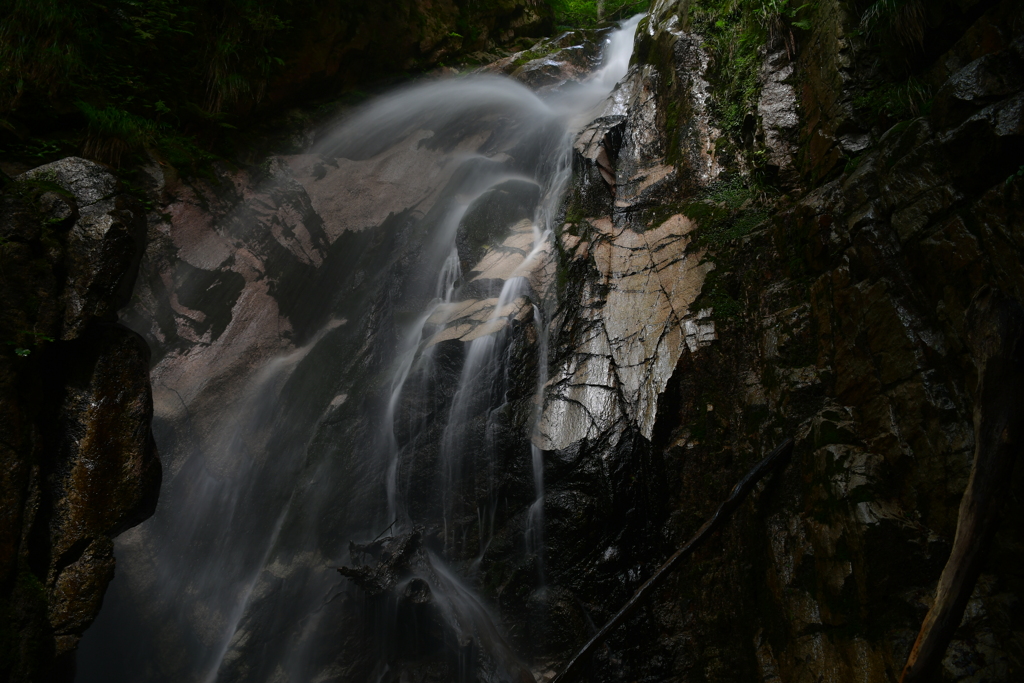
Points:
(372, 378)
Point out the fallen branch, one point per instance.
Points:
(996, 339)
(739, 492)
(385, 530)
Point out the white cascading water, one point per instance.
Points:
(233, 578)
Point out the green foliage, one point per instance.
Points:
(112, 131)
(733, 33)
(45, 182)
(779, 17)
(163, 75)
(36, 149)
(852, 164)
(590, 13)
(715, 295)
(903, 20)
(895, 101)
(1015, 176)
(724, 229)
(748, 221)
(530, 55)
(725, 212)
(733, 192)
(21, 346)
(907, 35)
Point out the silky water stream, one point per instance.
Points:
(353, 353)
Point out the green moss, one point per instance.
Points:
(31, 188)
(707, 216)
(891, 102)
(659, 213)
(717, 227)
(574, 211)
(733, 192)
(716, 295)
(529, 55)
(674, 154)
(733, 33)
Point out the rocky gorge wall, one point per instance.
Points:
(700, 326)
(78, 459)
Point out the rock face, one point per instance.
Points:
(630, 328)
(78, 459)
(836, 314)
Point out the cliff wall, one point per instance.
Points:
(78, 459)
(804, 256)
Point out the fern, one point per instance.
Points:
(903, 18)
(113, 132)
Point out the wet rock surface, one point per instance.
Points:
(553, 63)
(839, 317)
(297, 270)
(78, 458)
(623, 342)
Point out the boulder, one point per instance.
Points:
(79, 461)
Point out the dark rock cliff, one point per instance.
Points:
(835, 313)
(77, 457)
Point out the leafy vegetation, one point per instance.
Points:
(590, 13)
(161, 74)
(895, 101)
(906, 37)
(734, 30)
(35, 336)
(897, 31)
(1015, 176)
(530, 55)
(902, 36)
(779, 18)
(715, 295)
(903, 20)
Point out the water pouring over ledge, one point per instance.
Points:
(351, 352)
